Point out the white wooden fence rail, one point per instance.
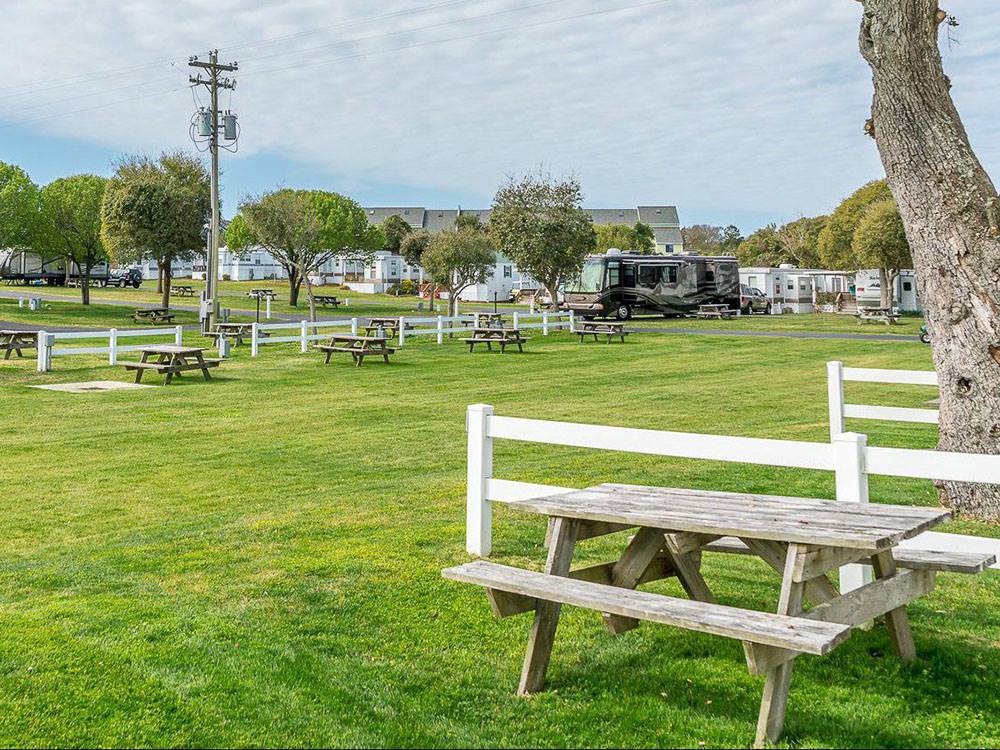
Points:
(848, 456)
(48, 343)
(837, 375)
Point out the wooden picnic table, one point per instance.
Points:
(358, 347)
(327, 300)
(172, 360)
(182, 291)
(595, 329)
(876, 315)
(802, 539)
(388, 326)
(719, 312)
(15, 341)
(485, 320)
(261, 293)
(503, 336)
(235, 332)
(153, 315)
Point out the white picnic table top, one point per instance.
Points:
(784, 519)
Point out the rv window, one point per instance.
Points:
(709, 274)
(791, 286)
(614, 274)
(669, 275)
(649, 276)
(628, 275)
(907, 286)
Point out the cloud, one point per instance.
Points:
(740, 105)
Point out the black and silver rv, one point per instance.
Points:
(620, 285)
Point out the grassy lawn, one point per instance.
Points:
(94, 315)
(256, 560)
(908, 325)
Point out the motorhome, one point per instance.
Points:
(621, 285)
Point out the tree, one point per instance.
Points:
(458, 259)
(731, 239)
(762, 248)
(395, 230)
(629, 239)
(800, 241)
(703, 239)
(71, 210)
(412, 249)
(835, 248)
(469, 221)
(20, 209)
(951, 213)
(880, 242)
(156, 210)
(539, 223)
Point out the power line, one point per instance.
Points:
(43, 118)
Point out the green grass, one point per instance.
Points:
(908, 325)
(256, 560)
(94, 315)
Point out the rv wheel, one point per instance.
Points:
(624, 312)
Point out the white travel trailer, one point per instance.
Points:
(869, 290)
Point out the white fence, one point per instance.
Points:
(407, 327)
(837, 374)
(848, 456)
(48, 343)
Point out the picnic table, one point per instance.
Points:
(485, 320)
(358, 347)
(327, 300)
(387, 326)
(261, 293)
(235, 332)
(595, 329)
(877, 315)
(15, 341)
(182, 291)
(802, 539)
(719, 312)
(172, 360)
(489, 336)
(153, 315)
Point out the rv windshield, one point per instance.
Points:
(591, 277)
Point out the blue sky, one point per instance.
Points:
(737, 111)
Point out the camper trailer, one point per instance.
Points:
(904, 292)
(621, 285)
(23, 267)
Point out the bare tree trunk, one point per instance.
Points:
(294, 282)
(885, 293)
(166, 273)
(159, 277)
(949, 207)
(85, 285)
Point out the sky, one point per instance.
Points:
(736, 111)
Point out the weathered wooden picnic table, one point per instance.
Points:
(15, 341)
(182, 291)
(153, 315)
(235, 332)
(877, 315)
(261, 293)
(719, 312)
(327, 300)
(358, 347)
(503, 336)
(484, 320)
(386, 326)
(595, 329)
(802, 539)
(172, 360)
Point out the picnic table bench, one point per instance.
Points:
(802, 539)
(327, 300)
(235, 332)
(876, 315)
(358, 347)
(719, 312)
(171, 361)
(503, 336)
(15, 341)
(592, 328)
(182, 291)
(153, 315)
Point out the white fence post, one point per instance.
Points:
(179, 336)
(852, 487)
(440, 330)
(43, 352)
(402, 330)
(478, 512)
(267, 309)
(254, 335)
(545, 323)
(303, 332)
(354, 326)
(113, 346)
(572, 322)
(835, 397)
(516, 319)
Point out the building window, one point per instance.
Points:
(508, 272)
(907, 286)
(668, 248)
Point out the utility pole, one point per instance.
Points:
(208, 124)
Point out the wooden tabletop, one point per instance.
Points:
(784, 519)
(173, 349)
(352, 337)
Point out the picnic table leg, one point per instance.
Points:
(897, 621)
(327, 358)
(688, 568)
(627, 572)
(138, 373)
(543, 627)
(204, 367)
(774, 701)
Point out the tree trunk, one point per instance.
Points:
(294, 282)
(85, 285)
(166, 274)
(159, 277)
(948, 205)
(885, 293)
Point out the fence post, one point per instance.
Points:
(354, 326)
(517, 318)
(43, 352)
(835, 397)
(479, 468)
(303, 332)
(572, 322)
(113, 347)
(440, 330)
(852, 487)
(179, 336)
(253, 339)
(545, 322)
(402, 330)
(267, 309)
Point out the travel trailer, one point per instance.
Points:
(904, 294)
(23, 267)
(621, 285)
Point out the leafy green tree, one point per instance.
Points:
(800, 241)
(156, 209)
(880, 242)
(458, 259)
(412, 249)
(837, 236)
(395, 230)
(71, 213)
(539, 223)
(703, 239)
(731, 239)
(762, 248)
(629, 239)
(469, 221)
(644, 240)
(20, 210)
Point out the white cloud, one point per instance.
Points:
(742, 105)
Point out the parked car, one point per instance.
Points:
(125, 277)
(753, 300)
